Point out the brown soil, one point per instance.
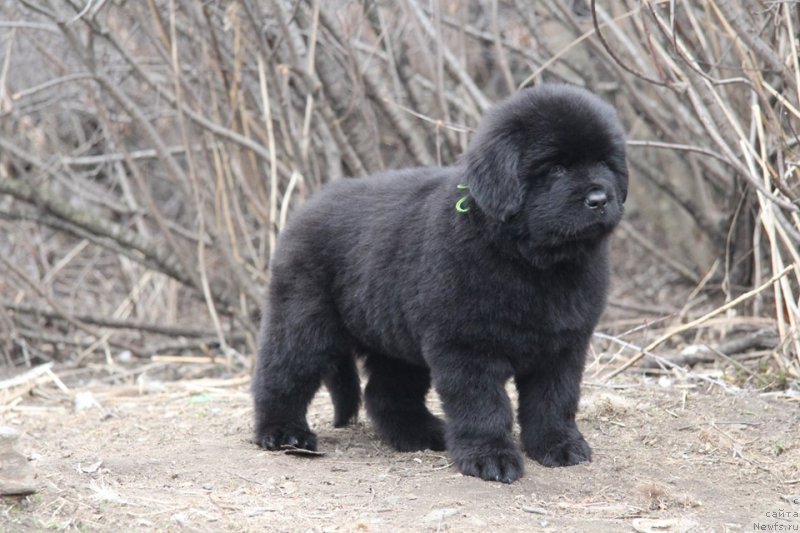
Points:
(177, 456)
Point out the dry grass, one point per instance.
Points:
(150, 152)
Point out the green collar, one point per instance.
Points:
(460, 207)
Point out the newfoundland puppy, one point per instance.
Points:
(462, 277)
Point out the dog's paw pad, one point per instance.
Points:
(504, 466)
(277, 438)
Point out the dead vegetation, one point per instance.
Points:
(151, 151)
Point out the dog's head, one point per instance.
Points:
(551, 161)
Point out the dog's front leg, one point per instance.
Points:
(479, 415)
(548, 401)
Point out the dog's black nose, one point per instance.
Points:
(596, 199)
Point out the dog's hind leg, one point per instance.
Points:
(395, 401)
(345, 388)
(283, 386)
(296, 352)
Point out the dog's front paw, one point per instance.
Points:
(276, 437)
(560, 449)
(495, 462)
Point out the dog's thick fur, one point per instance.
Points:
(387, 268)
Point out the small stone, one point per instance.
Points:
(534, 510)
(392, 500)
(437, 515)
(655, 525)
(664, 382)
(180, 518)
(16, 474)
(92, 468)
(84, 400)
(8, 435)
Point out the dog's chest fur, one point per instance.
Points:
(527, 316)
(461, 297)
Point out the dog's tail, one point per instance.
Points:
(344, 385)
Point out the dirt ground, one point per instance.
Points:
(177, 457)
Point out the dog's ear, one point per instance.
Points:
(619, 166)
(625, 188)
(492, 173)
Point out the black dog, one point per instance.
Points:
(466, 276)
